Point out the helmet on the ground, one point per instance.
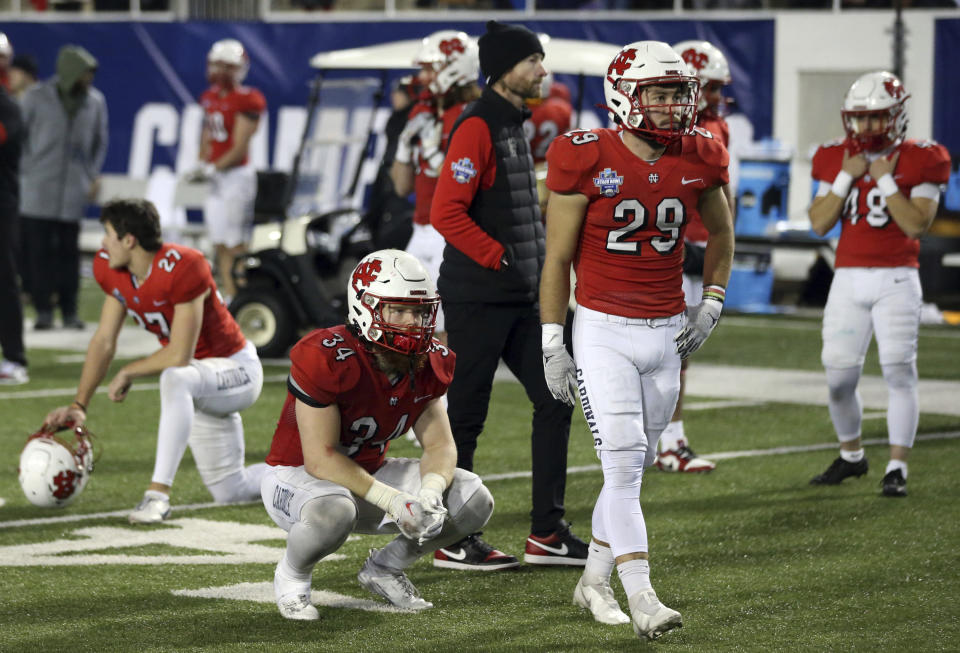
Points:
(53, 470)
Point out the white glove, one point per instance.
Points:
(203, 172)
(430, 496)
(413, 519)
(430, 136)
(701, 319)
(558, 367)
(410, 133)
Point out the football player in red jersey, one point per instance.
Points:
(619, 205)
(450, 64)
(709, 65)
(352, 389)
(208, 371)
(6, 56)
(884, 190)
(231, 115)
(551, 114)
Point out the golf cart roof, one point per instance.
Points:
(565, 56)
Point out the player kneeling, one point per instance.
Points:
(352, 389)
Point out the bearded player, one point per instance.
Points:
(619, 205)
(208, 371)
(352, 390)
(231, 114)
(884, 190)
(450, 64)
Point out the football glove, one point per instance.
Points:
(203, 172)
(701, 319)
(410, 133)
(430, 136)
(561, 373)
(412, 518)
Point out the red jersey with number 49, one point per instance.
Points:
(423, 184)
(332, 366)
(630, 255)
(178, 275)
(220, 115)
(869, 237)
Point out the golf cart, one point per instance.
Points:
(295, 274)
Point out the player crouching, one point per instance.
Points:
(352, 389)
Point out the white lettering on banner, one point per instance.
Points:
(153, 117)
(227, 542)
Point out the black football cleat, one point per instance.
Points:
(838, 470)
(894, 484)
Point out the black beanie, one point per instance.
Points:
(503, 46)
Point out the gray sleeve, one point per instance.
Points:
(99, 153)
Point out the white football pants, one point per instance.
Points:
(199, 405)
(228, 207)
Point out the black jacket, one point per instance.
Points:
(11, 140)
(508, 211)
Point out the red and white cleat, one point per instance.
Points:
(682, 459)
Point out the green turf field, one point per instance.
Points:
(754, 557)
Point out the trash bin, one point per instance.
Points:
(762, 192)
(751, 282)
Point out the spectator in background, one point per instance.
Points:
(22, 75)
(486, 208)
(64, 150)
(13, 365)
(231, 115)
(6, 55)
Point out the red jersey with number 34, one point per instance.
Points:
(869, 237)
(630, 255)
(179, 274)
(220, 115)
(332, 366)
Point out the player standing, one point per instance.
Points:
(619, 205)
(884, 190)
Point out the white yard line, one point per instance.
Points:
(137, 387)
(722, 455)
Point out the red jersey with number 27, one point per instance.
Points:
(178, 275)
(220, 115)
(869, 237)
(630, 255)
(424, 185)
(332, 366)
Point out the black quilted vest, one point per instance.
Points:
(508, 211)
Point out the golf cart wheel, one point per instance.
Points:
(265, 321)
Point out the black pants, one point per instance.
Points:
(482, 334)
(11, 312)
(53, 258)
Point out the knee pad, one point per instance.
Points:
(623, 470)
(900, 376)
(842, 381)
(469, 503)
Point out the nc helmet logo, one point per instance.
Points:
(608, 182)
(463, 170)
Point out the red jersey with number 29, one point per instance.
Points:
(220, 115)
(332, 366)
(178, 275)
(869, 237)
(630, 255)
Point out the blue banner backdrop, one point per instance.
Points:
(946, 92)
(164, 63)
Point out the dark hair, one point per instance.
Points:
(134, 216)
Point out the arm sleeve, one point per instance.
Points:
(100, 144)
(469, 166)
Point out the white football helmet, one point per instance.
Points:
(53, 472)
(645, 64)
(391, 276)
(230, 52)
(6, 48)
(454, 56)
(711, 67)
(875, 95)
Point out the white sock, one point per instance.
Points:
(673, 436)
(635, 576)
(157, 494)
(852, 456)
(599, 564)
(895, 464)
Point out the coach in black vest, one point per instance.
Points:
(486, 208)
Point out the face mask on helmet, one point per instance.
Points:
(454, 58)
(650, 92)
(710, 66)
(227, 63)
(53, 471)
(874, 116)
(392, 302)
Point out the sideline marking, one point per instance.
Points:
(723, 455)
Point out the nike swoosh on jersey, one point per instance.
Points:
(156, 303)
(562, 551)
(419, 399)
(685, 181)
(454, 556)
